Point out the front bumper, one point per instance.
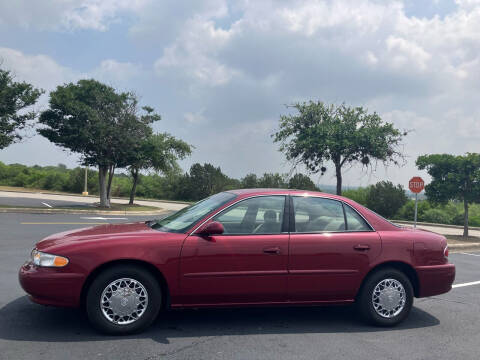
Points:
(50, 286)
(435, 279)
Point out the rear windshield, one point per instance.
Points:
(182, 220)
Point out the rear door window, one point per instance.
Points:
(354, 221)
(315, 214)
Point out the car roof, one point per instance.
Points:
(266, 191)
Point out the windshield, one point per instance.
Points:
(182, 220)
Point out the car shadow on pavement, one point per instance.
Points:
(22, 320)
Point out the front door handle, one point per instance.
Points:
(272, 250)
(361, 247)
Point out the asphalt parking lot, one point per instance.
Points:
(47, 204)
(442, 327)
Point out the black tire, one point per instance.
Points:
(106, 277)
(366, 304)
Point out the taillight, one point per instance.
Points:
(445, 252)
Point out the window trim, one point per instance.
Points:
(343, 203)
(286, 213)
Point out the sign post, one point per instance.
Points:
(416, 186)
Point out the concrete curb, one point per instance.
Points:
(96, 196)
(463, 246)
(434, 224)
(80, 212)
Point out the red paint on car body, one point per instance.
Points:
(251, 269)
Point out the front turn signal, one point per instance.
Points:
(48, 260)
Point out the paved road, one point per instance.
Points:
(36, 199)
(38, 202)
(443, 327)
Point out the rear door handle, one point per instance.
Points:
(361, 247)
(272, 250)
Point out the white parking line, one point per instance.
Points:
(103, 218)
(50, 206)
(466, 284)
(469, 254)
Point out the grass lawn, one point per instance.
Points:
(460, 239)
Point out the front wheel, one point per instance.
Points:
(386, 298)
(123, 299)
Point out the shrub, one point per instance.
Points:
(359, 195)
(407, 211)
(385, 198)
(437, 216)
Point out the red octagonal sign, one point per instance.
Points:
(416, 184)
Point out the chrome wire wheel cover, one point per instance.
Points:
(124, 301)
(389, 298)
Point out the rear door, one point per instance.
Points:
(246, 264)
(331, 247)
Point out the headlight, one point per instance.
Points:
(43, 259)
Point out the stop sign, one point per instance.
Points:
(416, 184)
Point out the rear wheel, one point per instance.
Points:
(386, 298)
(123, 299)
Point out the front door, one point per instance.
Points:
(331, 247)
(246, 264)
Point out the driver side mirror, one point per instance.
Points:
(212, 228)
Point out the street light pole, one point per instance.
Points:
(85, 191)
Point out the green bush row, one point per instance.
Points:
(451, 213)
(201, 181)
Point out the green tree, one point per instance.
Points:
(250, 181)
(359, 195)
(158, 152)
(385, 198)
(15, 98)
(205, 180)
(93, 120)
(344, 135)
(302, 182)
(272, 180)
(453, 178)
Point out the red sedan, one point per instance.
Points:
(241, 248)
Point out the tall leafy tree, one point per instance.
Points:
(207, 180)
(93, 120)
(15, 99)
(158, 152)
(453, 178)
(319, 133)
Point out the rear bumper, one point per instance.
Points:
(435, 279)
(48, 286)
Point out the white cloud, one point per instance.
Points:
(195, 117)
(116, 71)
(194, 53)
(39, 70)
(67, 14)
(405, 53)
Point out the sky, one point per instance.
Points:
(221, 72)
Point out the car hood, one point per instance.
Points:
(96, 233)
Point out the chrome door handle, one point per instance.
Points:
(272, 250)
(361, 247)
